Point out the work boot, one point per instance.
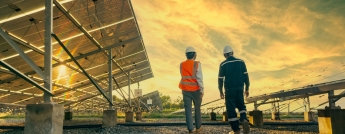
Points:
(245, 125)
(199, 130)
(190, 131)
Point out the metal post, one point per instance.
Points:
(129, 88)
(308, 104)
(305, 105)
(330, 101)
(48, 30)
(92, 106)
(139, 104)
(255, 105)
(289, 108)
(110, 65)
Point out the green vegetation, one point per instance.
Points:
(266, 116)
(12, 116)
(169, 104)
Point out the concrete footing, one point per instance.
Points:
(309, 116)
(225, 116)
(68, 115)
(138, 116)
(46, 118)
(256, 118)
(275, 116)
(109, 118)
(331, 121)
(213, 116)
(129, 116)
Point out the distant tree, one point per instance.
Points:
(116, 99)
(166, 100)
(180, 102)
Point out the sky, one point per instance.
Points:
(285, 44)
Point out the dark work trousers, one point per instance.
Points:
(188, 98)
(234, 99)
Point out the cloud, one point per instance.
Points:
(278, 40)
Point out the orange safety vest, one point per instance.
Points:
(188, 73)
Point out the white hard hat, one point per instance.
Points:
(190, 49)
(227, 49)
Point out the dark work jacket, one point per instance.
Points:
(233, 74)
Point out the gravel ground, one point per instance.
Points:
(219, 129)
(12, 122)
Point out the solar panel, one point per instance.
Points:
(107, 22)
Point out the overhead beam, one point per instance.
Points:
(336, 96)
(267, 102)
(6, 71)
(21, 53)
(15, 71)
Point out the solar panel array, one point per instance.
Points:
(84, 27)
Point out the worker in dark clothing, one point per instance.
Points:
(233, 74)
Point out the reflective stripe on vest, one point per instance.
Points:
(188, 73)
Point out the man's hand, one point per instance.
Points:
(222, 96)
(201, 94)
(246, 93)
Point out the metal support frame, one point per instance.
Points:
(102, 49)
(330, 102)
(26, 58)
(64, 87)
(288, 113)
(129, 88)
(110, 73)
(310, 90)
(255, 105)
(88, 83)
(335, 99)
(297, 109)
(337, 96)
(308, 104)
(48, 51)
(99, 88)
(15, 71)
(66, 61)
(99, 94)
(68, 16)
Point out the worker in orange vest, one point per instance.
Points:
(192, 88)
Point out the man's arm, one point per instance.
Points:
(221, 77)
(199, 78)
(246, 76)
